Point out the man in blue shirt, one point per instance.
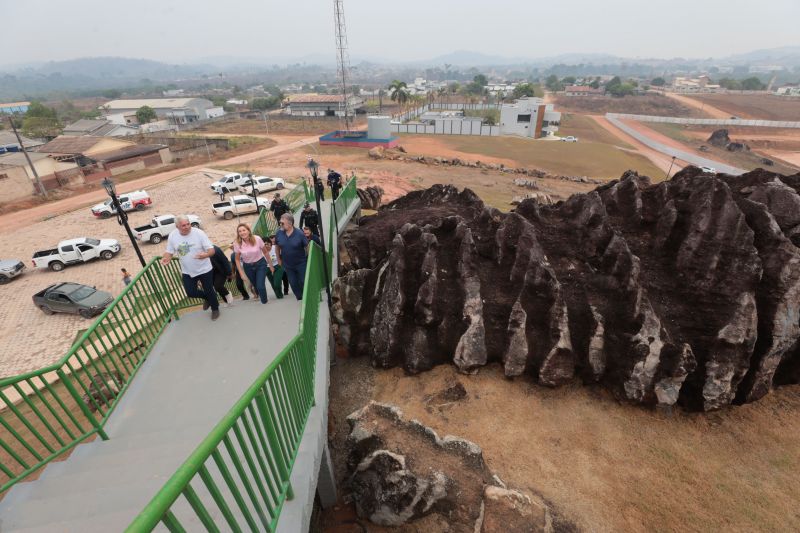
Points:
(291, 247)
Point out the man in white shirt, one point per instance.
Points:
(194, 250)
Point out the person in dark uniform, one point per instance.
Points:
(319, 188)
(309, 219)
(334, 182)
(222, 272)
(278, 206)
(235, 277)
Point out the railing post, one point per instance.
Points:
(84, 408)
(171, 310)
(155, 288)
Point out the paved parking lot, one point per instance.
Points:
(28, 338)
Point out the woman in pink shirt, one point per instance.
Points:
(250, 259)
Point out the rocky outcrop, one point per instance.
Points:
(686, 291)
(719, 138)
(370, 197)
(401, 470)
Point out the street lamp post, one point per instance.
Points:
(313, 167)
(670, 166)
(122, 217)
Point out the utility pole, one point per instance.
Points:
(39, 184)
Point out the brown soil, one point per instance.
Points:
(638, 105)
(607, 466)
(753, 106)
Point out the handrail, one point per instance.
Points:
(266, 224)
(49, 411)
(273, 413)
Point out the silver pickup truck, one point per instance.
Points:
(10, 269)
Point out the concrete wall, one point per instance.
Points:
(708, 121)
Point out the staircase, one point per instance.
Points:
(223, 426)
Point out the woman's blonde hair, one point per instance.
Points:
(251, 240)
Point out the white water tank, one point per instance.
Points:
(378, 127)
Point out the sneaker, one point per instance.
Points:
(206, 305)
(227, 305)
(215, 314)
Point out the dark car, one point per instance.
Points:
(72, 298)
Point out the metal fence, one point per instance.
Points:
(707, 121)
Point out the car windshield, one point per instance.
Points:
(107, 202)
(81, 293)
(93, 242)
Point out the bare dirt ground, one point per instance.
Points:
(752, 106)
(651, 104)
(704, 109)
(607, 466)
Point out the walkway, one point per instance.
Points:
(195, 373)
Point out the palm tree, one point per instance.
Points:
(442, 92)
(398, 91)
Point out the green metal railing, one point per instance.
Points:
(240, 472)
(266, 224)
(49, 411)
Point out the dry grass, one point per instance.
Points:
(651, 104)
(585, 158)
(587, 129)
(755, 106)
(611, 466)
(277, 125)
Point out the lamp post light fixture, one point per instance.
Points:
(670, 166)
(313, 168)
(122, 216)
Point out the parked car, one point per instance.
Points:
(10, 269)
(238, 205)
(72, 298)
(263, 184)
(569, 139)
(230, 182)
(137, 200)
(160, 227)
(75, 251)
(709, 170)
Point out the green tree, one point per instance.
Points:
(753, 84)
(553, 84)
(658, 82)
(145, 114)
(595, 83)
(730, 84)
(568, 80)
(112, 93)
(523, 89)
(262, 104)
(398, 92)
(41, 122)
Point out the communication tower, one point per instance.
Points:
(342, 59)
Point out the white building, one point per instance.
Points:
(529, 117)
(175, 110)
(788, 91)
(321, 105)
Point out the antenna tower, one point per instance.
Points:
(342, 58)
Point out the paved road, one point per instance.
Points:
(671, 151)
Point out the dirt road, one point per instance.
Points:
(24, 218)
(708, 109)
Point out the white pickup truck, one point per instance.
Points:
(74, 251)
(137, 200)
(263, 184)
(160, 228)
(238, 205)
(230, 182)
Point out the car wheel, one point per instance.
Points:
(195, 225)
(228, 215)
(56, 266)
(105, 214)
(140, 207)
(85, 313)
(280, 186)
(106, 254)
(4, 280)
(46, 310)
(155, 239)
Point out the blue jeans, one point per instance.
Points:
(297, 277)
(207, 293)
(257, 274)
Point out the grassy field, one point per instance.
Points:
(594, 158)
(587, 129)
(746, 160)
(754, 106)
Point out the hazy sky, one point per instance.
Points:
(185, 31)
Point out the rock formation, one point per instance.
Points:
(401, 471)
(686, 291)
(370, 197)
(719, 138)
